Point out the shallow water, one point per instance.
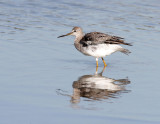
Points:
(45, 80)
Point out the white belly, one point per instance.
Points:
(101, 50)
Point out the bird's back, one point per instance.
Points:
(95, 38)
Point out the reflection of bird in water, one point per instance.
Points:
(97, 44)
(97, 87)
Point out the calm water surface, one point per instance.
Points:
(45, 80)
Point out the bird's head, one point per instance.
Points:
(76, 31)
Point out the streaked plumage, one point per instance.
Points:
(95, 38)
(97, 44)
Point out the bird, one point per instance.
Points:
(97, 44)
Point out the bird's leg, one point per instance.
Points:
(104, 62)
(96, 70)
(97, 62)
(102, 71)
(96, 73)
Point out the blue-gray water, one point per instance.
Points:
(39, 73)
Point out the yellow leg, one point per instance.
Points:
(97, 62)
(104, 62)
(96, 70)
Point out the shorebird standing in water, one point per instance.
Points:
(97, 44)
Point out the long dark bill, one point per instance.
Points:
(65, 35)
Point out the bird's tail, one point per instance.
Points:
(125, 51)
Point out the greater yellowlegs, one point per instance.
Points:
(97, 44)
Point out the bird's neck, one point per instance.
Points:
(78, 38)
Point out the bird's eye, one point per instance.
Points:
(74, 31)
